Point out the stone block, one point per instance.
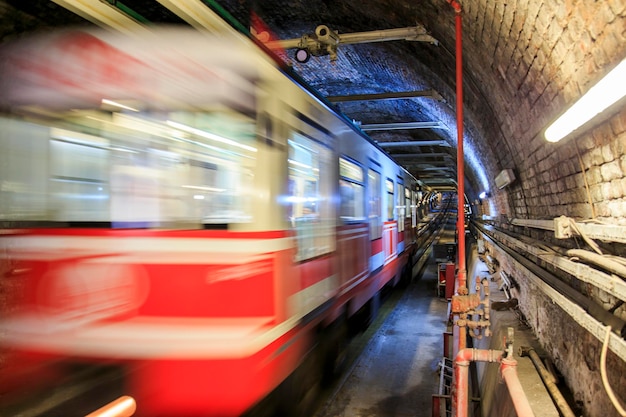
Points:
(611, 171)
(607, 153)
(617, 208)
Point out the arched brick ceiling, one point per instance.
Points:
(523, 62)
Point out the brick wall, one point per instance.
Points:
(533, 60)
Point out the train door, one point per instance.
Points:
(375, 217)
(352, 239)
(311, 214)
(390, 227)
(400, 213)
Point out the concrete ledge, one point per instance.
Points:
(495, 398)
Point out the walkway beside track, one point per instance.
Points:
(397, 373)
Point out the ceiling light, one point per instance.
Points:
(609, 90)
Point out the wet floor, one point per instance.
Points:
(397, 372)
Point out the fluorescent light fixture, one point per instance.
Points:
(116, 104)
(209, 135)
(606, 92)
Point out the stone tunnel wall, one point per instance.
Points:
(533, 60)
(573, 350)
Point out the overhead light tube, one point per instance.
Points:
(606, 92)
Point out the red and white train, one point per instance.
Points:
(174, 203)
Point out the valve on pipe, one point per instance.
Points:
(467, 305)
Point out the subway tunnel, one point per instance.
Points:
(559, 205)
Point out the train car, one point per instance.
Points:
(174, 203)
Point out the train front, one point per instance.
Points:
(137, 225)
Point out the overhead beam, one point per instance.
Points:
(102, 14)
(430, 164)
(430, 181)
(435, 177)
(387, 96)
(414, 143)
(446, 168)
(422, 155)
(402, 126)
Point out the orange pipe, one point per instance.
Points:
(508, 370)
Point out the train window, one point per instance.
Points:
(351, 191)
(374, 204)
(192, 170)
(407, 202)
(400, 207)
(184, 169)
(390, 202)
(23, 171)
(310, 188)
(79, 183)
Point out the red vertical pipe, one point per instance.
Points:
(461, 277)
(461, 281)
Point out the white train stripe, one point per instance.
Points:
(142, 339)
(305, 301)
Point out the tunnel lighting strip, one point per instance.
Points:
(606, 92)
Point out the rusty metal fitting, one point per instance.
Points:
(464, 303)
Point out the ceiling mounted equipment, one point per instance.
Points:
(325, 40)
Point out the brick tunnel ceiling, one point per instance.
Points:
(496, 71)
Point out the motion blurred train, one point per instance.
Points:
(174, 203)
